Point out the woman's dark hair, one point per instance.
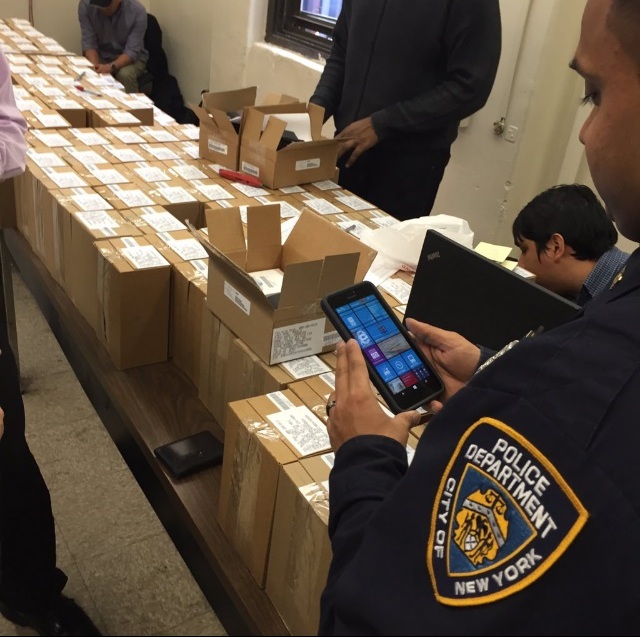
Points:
(624, 21)
(573, 211)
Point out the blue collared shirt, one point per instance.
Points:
(608, 265)
(122, 32)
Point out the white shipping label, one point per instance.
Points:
(290, 190)
(331, 338)
(88, 138)
(87, 157)
(305, 367)
(134, 198)
(142, 257)
(214, 192)
(188, 249)
(355, 202)
(202, 266)
(151, 173)
(287, 211)
(401, 308)
(97, 219)
(270, 281)
(308, 164)
(322, 206)
(188, 172)
(250, 168)
(249, 191)
(163, 221)
(217, 146)
(354, 227)
(122, 117)
(124, 154)
(411, 452)
(239, 299)
(52, 140)
(326, 184)
(398, 289)
(91, 202)
(303, 429)
(280, 400)
(295, 341)
(108, 175)
(159, 152)
(66, 179)
(125, 135)
(45, 159)
(385, 221)
(330, 379)
(175, 194)
(161, 135)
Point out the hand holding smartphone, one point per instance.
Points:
(397, 367)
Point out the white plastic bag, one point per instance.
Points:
(399, 245)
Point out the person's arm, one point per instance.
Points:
(89, 37)
(135, 41)
(329, 89)
(13, 146)
(472, 40)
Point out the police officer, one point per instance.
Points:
(521, 508)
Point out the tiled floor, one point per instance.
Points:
(122, 566)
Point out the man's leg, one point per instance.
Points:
(128, 76)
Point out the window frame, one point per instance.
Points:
(292, 29)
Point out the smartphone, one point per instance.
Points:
(397, 368)
(188, 455)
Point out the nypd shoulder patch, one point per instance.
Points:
(502, 517)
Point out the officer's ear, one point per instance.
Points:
(556, 248)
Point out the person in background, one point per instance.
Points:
(568, 242)
(113, 38)
(400, 77)
(516, 514)
(30, 582)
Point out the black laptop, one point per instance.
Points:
(457, 289)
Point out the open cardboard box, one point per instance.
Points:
(219, 139)
(299, 162)
(317, 258)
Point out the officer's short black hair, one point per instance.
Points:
(624, 21)
(573, 211)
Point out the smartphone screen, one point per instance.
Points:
(397, 368)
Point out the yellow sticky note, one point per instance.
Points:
(493, 252)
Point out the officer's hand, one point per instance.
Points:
(356, 138)
(452, 356)
(103, 68)
(357, 411)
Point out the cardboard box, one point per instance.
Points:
(300, 553)
(316, 258)
(219, 139)
(188, 301)
(133, 301)
(8, 208)
(255, 449)
(297, 163)
(230, 370)
(80, 270)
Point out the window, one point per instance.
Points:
(304, 26)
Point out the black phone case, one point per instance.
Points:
(325, 304)
(193, 453)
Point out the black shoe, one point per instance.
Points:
(64, 617)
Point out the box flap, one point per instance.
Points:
(229, 101)
(216, 119)
(314, 237)
(264, 238)
(272, 133)
(225, 232)
(278, 98)
(300, 284)
(316, 117)
(252, 124)
(338, 271)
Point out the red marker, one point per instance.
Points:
(86, 90)
(243, 178)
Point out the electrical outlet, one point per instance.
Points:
(511, 134)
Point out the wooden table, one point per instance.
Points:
(143, 408)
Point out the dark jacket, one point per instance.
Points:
(517, 511)
(417, 67)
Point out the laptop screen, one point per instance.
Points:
(457, 289)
